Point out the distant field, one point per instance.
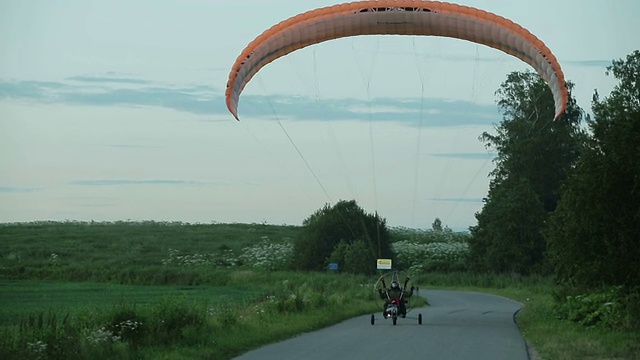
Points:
(140, 253)
(148, 239)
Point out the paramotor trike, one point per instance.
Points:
(396, 298)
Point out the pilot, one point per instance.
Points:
(396, 292)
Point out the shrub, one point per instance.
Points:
(435, 256)
(128, 326)
(344, 222)
(171, 319)
(268, 256)
(603, 309)
(354, 258)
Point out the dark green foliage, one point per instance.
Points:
(354, 257)
(128, 325)
(437, 225)
(593, 234)
(509, 240)
(533, 156)
(443, 266)
(347, 223)
(606, 308)
(175, 322)
(113, 334)
(529, 144)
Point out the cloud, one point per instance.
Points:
(131, 146)
(198, 99)
(17, 189)
(30, 90)
(201, 99)
(589, 63)
(410, 111)
(119, 182)
(96, 205)
(108, 80)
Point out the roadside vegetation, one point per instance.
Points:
(200, 304)
(106, 321)
(557, 232)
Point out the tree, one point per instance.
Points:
(509, 240)
(593, 235)
(437, 225)
(346, 227)
(534, 154)
(528, 143)
(354, 257)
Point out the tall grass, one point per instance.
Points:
(462, 280)
(555, 338)
(288, 304)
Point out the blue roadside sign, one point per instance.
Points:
(333, 266)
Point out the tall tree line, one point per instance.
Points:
(534, 154)
(565, 194)
(594, 235)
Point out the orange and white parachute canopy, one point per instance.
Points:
(396, 17)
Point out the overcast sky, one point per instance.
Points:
(114, 110)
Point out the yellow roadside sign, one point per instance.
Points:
(384, 264)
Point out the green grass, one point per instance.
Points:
(21, 298)
(129, 252)
(556, 339)
(174, 322)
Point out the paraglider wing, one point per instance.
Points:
(396, 17)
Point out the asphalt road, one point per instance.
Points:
(458, 325)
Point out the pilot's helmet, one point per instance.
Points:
(395, 285)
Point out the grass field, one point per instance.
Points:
(109, 321)
(23, 297)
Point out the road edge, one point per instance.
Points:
(532, 353)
